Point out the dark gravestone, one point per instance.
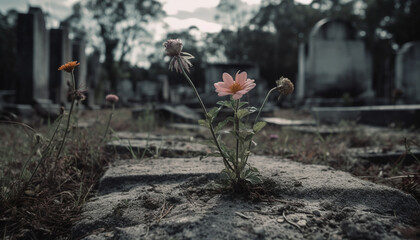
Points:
(60, 53)
(79, 55)
(337, 62)
(92, 80)
(32, 57)
(407, 72)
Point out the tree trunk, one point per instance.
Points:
(110, 46)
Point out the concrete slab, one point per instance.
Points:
(383, 156)
(322, 130)
(167, 148)
(152, 136)
(188, 127)
(283, 122)
(169, 113)
(400, 115)
(179, 199)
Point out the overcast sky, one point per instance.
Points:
(181, 13)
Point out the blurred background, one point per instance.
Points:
(336, 52)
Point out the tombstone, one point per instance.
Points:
(32, 57)
(125, 90)
(336, 63)
(93, 77)
(147, 90)
(78, 54)
(407, 72)
(60, 53)
(164, 83)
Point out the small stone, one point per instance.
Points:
(301, 223)
(316, 213)
(30, 193)
(259, 230)
(280, 220)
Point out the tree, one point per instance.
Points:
(120, 25)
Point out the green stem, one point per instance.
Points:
(205, 113)
(109, 121)
(69, 118)
(45, 155)
(236, 129)
(256, 119)
(263, 104)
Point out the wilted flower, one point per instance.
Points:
(180, 60)
(236, 88)
(285, 86)
(112, 98)
(69, 67)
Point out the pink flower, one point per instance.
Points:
(236, 88)
(112, 98)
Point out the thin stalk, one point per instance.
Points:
(256, 118)
(263, 104)
(109, 121)
(45, 152)
(69, 118)
(236, 129)
(205, 114)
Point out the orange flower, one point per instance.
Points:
(69, 67)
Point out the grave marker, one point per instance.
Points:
(337, 62)
(407, 72)
(32, 57)
(60, 53)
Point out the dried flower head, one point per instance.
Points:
(173, 47)
(285, 86)
(180, 60)
(236, 88)
(112, 98)
(80, 96)
(69, 67)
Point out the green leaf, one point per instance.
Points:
(246, 111)
(258, 126)
(222, 124)
(229, 104)
(252, 175)
(212, 114)
(253, 179)
(204, 123)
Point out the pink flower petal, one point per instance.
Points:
(221, 94)
(236, 96)
(227, 79)
(240, 77)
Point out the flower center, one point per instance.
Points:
(235, 87)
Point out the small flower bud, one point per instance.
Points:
(112, 98)
(285, 86)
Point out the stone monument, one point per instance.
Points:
(32, 57)
(336, 63)
(60, 53)
(407, 72)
